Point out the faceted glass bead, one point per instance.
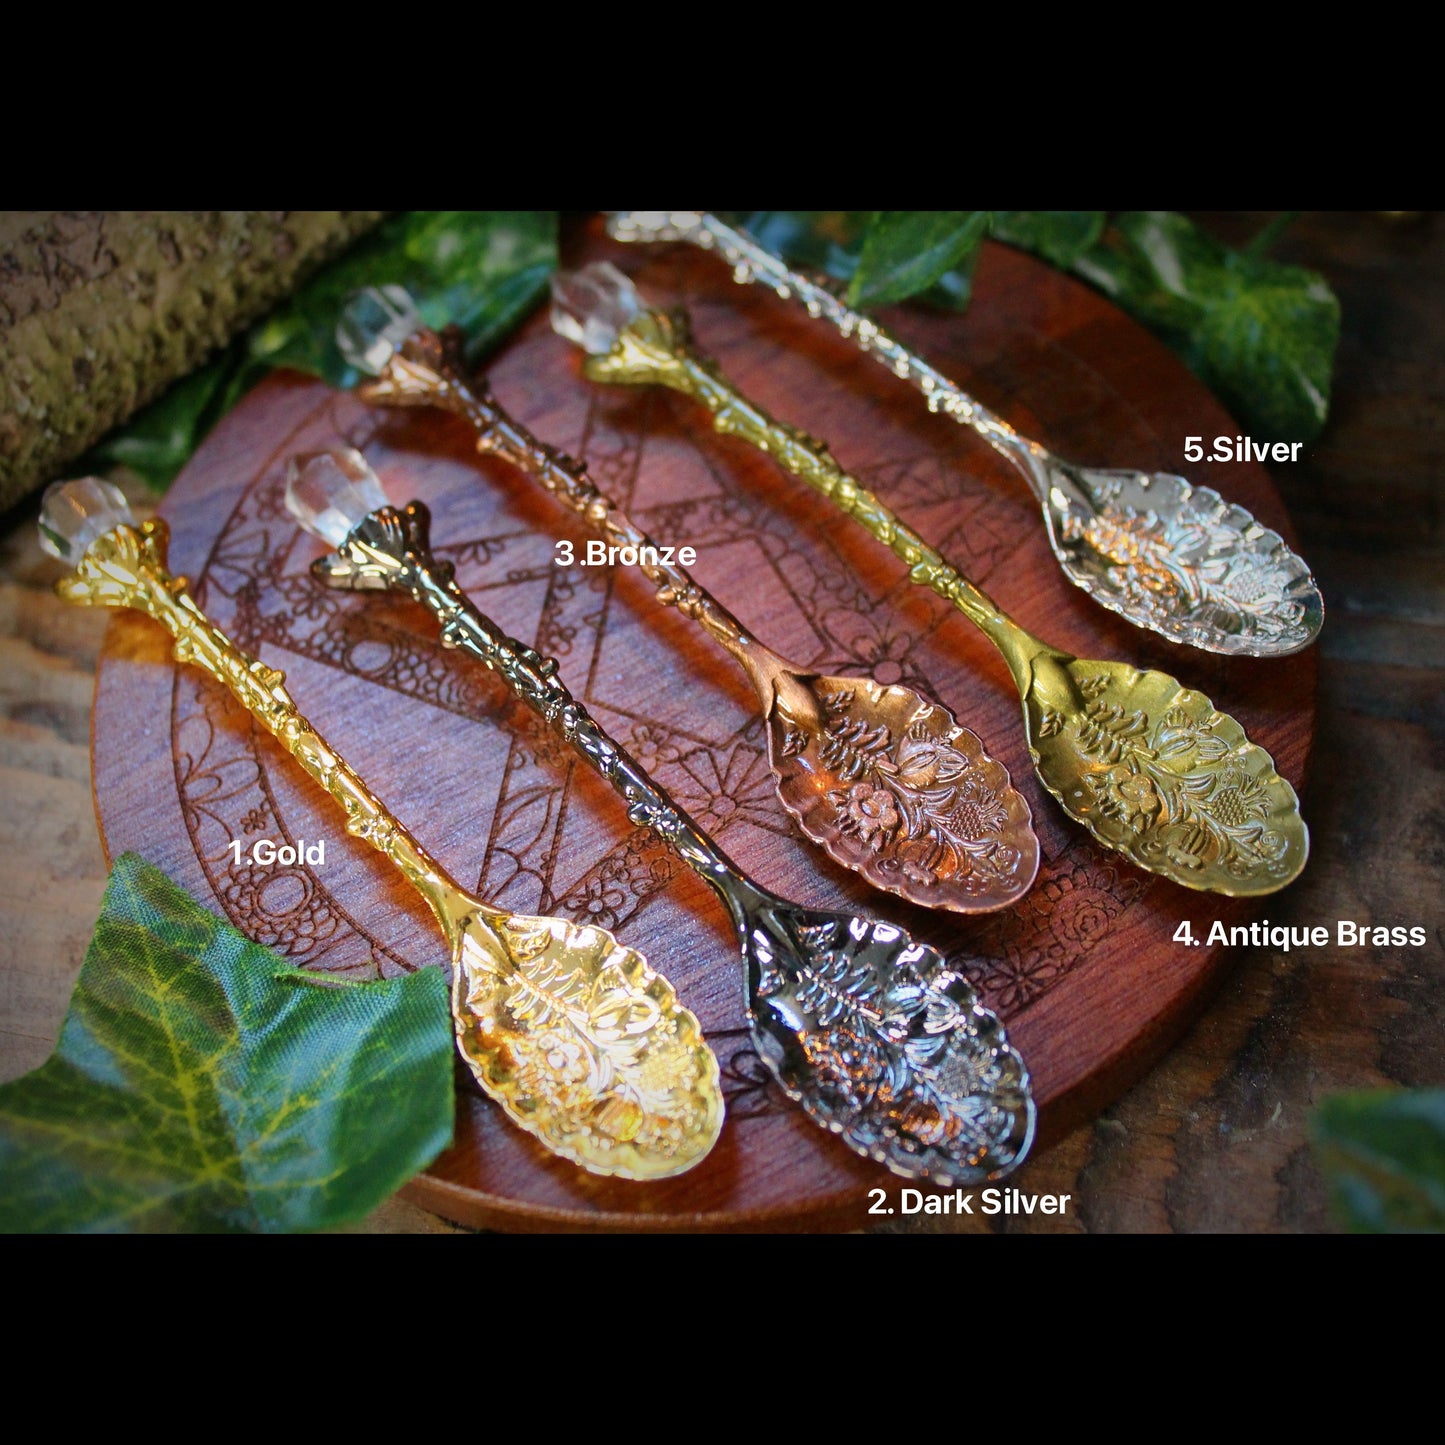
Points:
(374, 323)
(330, 493)
(74, 514)
(593, 306)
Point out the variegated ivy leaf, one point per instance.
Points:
(201, 1083)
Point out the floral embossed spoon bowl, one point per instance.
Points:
(575, 1036)
(1147, 765)
(886, 781)
(875, 1036)
(1177, 559)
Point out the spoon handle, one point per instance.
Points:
(429, 369)
(609, 1005)
(126, 567)
(391, 549)
(751, 261)
(656, 347)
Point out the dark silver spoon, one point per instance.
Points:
(871, 1033)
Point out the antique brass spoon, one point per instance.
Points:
(575, 1036)
(1147, 765)
(874, 1035)
(1177, 559)
(888, 782)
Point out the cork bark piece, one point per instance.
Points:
(100, 311)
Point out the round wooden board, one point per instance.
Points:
(1085, 971)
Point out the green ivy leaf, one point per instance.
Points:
(483, 269)
(158, 440)
(829, 241)
(201, 1083)
(1383, 1151)
(1060, 237)
(1262, 335)
(905, 252)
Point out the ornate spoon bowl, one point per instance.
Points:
(874, 1035)
(1147, 765)
(1177, 559)
(579, 1040)
(886, 781)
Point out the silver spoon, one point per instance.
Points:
(874, 1035)
(1177, 559)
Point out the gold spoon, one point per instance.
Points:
(887, 782)
(575, 1036)
(1177, 559)
(1147, 765)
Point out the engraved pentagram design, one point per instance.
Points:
(513, 816)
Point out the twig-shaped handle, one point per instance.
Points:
(429, 369)
(391, 550)
(751, 261)
(657, 347)
(126, 567)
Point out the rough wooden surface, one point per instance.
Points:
(1214, 1137)
(101, 310)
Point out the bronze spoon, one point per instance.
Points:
(890, 784)
(1147, 765)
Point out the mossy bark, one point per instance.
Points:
(101, 310)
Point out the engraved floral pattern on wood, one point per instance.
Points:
(1020, 955)
(750, 1088)
(225, 791)
(905, 796)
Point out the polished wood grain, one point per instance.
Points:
(1085, 970)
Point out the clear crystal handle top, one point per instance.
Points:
(74, 514)
(594, 306)
(332, 492)
(374, 322)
